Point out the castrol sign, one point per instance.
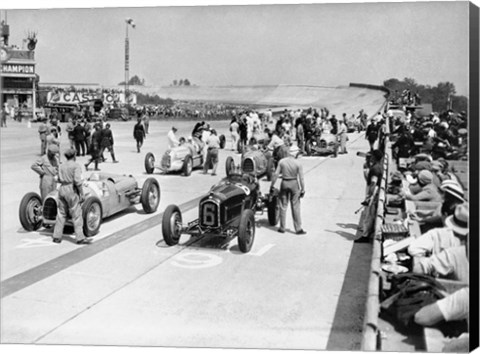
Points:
(73, 97)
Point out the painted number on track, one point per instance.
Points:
(196, 260)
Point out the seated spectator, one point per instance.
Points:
(436, 240)
(428, 191)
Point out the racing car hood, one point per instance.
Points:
(228, 188)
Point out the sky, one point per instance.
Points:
(303, 44)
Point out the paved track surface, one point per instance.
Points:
(129, 288)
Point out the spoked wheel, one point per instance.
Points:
(172, 225)
(150, 197)
(187, 166)
(246, 231)
(149, 163)
(30, 211)
(92, 216)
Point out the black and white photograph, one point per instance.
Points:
(226, 175)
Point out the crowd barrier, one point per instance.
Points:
(371, 340)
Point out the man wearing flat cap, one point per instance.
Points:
(70, 195)
(47, 168)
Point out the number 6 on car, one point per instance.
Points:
(228, 210)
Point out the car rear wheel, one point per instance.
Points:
(172, 225)
(187, 166)
(270, 168)
(308, 147)
(246, 231)
(273, 211)
(30, 211)
(92, 216)
(229, 166)
(149, 163)
(150, 197)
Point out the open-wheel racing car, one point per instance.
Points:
(323, 145)
(254, 162)
(105, 195)
(183, 158)
(228, 210)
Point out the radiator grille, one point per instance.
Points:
(50, 209)
(248, 165)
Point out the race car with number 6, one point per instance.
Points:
(228, 210)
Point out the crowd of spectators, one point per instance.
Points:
(428, 194)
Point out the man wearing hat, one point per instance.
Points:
(43, 131)
(436, 240)
(70, 195)
(47, 168)
(172, 139)
(428, 192)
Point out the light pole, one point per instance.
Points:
(128, 22)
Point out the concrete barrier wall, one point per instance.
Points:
(371, 335)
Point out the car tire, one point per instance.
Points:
(223, 141)
(229, 166)
(171, 225)
(30, 211)
(187, 166)
(270, 168)
(92, 216)
(273, 210)
(149, 163)
(246, 231)
(150, 197)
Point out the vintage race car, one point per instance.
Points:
(105, 195)
(322, 146)
(183, 158)
(228, 210)
(255, 162)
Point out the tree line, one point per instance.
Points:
(442, 97)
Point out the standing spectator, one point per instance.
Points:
(373, 178)
(139, 133)
(70, 196)
(342, 135)
(43, 132)
(234, 128)
(172, 139)
(95, 147)
(334, 131)
(213, 146)
(47, 168)
(69, 129)
(79, 138)
(3, 117)
(372, 133)
(301, 135)
(292, 189)
(52, 138)
(107, 142)
(242, 127)
(54, 124)
(88, 133)
(146, 121)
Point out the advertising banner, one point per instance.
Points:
(73, 97)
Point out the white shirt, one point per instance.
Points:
(172, 139)
(455, 306)
(433, 242)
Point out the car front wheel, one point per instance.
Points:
(229, 166)
(246, 231)
(187, 166)
(92, 216)
(30, 211)
(172, 225)
(150, 197)
(149, 163)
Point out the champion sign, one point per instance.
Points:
(80, 97)
(18, 69)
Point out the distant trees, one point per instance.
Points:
(143, 99)
(134, 81)
(181, 82)
(441, 96)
